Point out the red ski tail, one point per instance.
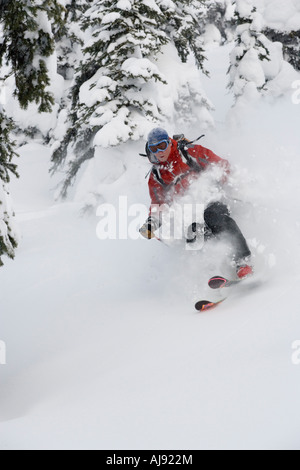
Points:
(205, 305)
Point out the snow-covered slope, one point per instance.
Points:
(104, 348)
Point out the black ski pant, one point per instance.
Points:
(219, 222)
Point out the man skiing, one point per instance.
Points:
(176, 164)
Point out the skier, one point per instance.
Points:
(176, 163)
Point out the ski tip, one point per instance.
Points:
(217, 282)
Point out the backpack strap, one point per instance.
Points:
(182, 145)
(158, 178)
(166, 186)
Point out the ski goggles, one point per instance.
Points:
(159, 147)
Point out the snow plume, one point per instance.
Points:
(266, 175)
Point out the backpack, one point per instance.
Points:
(182, 144)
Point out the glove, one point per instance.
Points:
(148, 229)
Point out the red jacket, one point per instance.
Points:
(178, 174)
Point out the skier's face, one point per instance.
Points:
(162, 157)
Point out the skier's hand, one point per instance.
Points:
(145, 232)
(148, 229)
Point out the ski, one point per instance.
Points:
(204, 305)
(219, 282)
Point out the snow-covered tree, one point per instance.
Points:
(8, 237)
(69, 40)
(27, 41)
(183, 28)
(217, 21)
(290, 41)
(114, 96)
(110, 97)
(69, 37)
(247, 75)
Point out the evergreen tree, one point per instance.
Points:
(290, 43)
(246, 70)
(110, 97)
(219, 13)
(8, 237)
(113, 97)
(183, 27)
(69, 38)
(26, 44)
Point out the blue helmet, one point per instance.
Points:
(157, 135)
